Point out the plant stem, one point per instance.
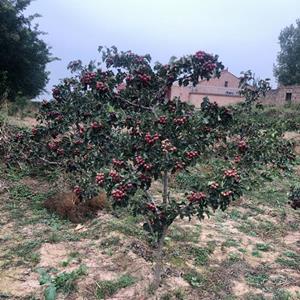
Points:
(158, 260)
(165, 187)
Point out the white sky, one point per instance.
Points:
(243, 33)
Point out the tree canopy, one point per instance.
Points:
(23, 54)
(287, 70)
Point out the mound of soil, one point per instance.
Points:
(67, 205)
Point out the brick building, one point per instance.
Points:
(223, 90)
(282, 95)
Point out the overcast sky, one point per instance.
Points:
(243, 33)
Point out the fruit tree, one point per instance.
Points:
(115, 127)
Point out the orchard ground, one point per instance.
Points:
(251, 251)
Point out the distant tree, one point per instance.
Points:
(23, 55)
(287, 70)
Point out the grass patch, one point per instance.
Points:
(65, 282)
(257, 280)
(201, 254)
(290, 260)
(263, 247)
(180, 234)
(230, 243)
(108, 288)
(195, 279)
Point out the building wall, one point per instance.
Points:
(214, 89)
(278, 96)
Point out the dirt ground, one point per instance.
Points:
(250, 251)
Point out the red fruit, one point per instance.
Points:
(77, 190)
(139, 160)
(231, 173)
(55, 93)
(100, 177)
(191, 154)
(200, 54)
(60, 151)
(118, 194)
(115, 176)
(34, 131)
(242, 145)
(179, 165)
(196, 197)
(151, 139)
(237, 159)
(151, 207)
(226, 193)
(147, 166)
(19, 136)
(100, 86)
(96, 125)
(52, 146)
(180, 120)
(167, 146)
(88, 78)
(162, 120)
(118, 163)
(214, 185)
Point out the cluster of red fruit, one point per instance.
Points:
(231, 173)
(242, 145)
(162, 120)
(139, 160)
(227, 193)
(144, 78)
(147, 166)
(129, 78)
(34, 131)
(19, 136)
(125, 187)
(180, 120)
(214, 185)
(137, 58)
(118, 163)
(237, 159)
(101, 86)
(115, 176)
(144, 178)
(77, 190)
(53, 146)
(53, 114)
(151, 139)
(196, 196)
(88, 78)
(56, 93)
(118, 194)
(192, 154)
(96, 126)
(167, 146)
(179, 165)
(209, 66)
(100, 178)
(200, 54)
(78, 142)
(60, 151)
(59, 118)
(151, 207)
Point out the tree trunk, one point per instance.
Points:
(158, 260)
(165, 187)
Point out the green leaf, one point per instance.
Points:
(50, 292)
